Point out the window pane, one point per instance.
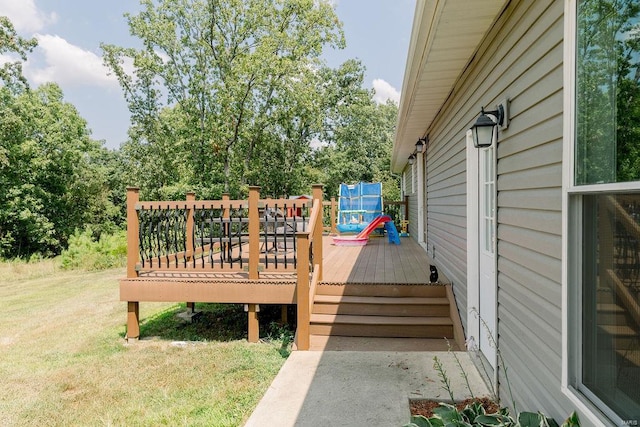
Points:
(608, 92)
(611, 301)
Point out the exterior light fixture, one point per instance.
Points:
(412, 159)
(421, 144)
(485, 129)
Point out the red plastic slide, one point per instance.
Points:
(380, 219)
(362, 237)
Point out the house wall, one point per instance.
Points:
(522, 59)
(411, 186)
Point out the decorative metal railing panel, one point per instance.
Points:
(219, 235)
(214, 235)
(280, 220)
(162, 235)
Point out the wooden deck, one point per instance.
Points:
(378, 262)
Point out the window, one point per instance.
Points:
(605, 201)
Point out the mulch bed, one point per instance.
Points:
(425, 407)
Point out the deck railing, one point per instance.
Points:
(215, 235)
(242, 236)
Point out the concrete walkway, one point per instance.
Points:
(356, 388)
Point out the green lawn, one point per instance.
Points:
(63, 359)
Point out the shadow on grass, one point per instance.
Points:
(218, 322)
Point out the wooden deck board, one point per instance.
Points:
(377, 262)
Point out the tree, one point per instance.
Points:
(222, 71)
(50, 183)
(358, 134)
(11, 72)
(608, 90)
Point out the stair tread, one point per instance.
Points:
(379, 320)
(618, 330)
(610, 307)
(336, 299)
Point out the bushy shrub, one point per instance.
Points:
(85, 253)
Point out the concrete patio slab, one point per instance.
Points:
(355, 388)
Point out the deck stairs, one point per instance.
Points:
(617, 331)
(382, 311)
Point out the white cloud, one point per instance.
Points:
(25, 16)
(384, 91)
(67, 64)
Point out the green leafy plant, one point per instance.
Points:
(85, 253)
(501, 363)
(474, 415)
(463, 373)
(444, 379)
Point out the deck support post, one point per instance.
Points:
(332, 215)
(254, 232)
(253, 333)
(133, 320)
(133, 307)
(283, 314)
(302, 292)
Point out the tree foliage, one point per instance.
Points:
(11, 72)
(218, 85)
(609, 91)
(223, 94)
(358, 133)
(50, 183)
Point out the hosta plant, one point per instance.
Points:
(474, 414)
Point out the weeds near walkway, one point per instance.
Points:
(474, 414)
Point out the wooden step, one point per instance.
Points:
(617, 331)
(381, 306)
(338, 343)
(617, 337)
(381, 326)
(611, 314)
(386, 290)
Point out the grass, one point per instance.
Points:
(65, 362)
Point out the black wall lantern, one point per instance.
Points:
(485, 129)
(412, 159)
(421, 144)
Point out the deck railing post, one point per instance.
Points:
(190, 250)
(226, 212)
(133, 197)
(302, 292)
(191, 196)
(133, 307)
(406, 207)
(254, 232)
(318, 195)
(332, 214)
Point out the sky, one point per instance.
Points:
(69, 33)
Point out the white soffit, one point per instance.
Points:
(445, 35)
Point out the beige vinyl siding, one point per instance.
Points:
(446, 212)
(522, 59)
(410, 186)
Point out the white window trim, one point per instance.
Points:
(572, 221)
